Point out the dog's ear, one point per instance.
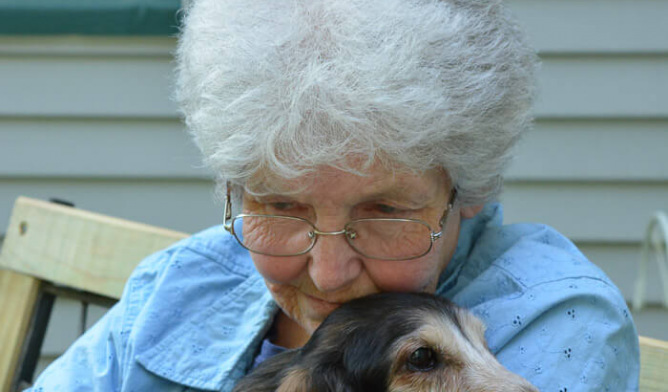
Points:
(344, 374)
(472, 327)
(296, 380)
(332, 379)
(267, 376)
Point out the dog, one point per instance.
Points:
(397, 342)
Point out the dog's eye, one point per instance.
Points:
(423, 359)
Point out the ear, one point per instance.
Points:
(470, 211)
(297, 380)
(472, 326)
(267, 376)
(332, 378)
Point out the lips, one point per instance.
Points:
(322, 306)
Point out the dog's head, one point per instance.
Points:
(395, 342)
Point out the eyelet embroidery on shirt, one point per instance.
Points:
(196, 348)
(226, 330)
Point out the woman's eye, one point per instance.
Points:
(423, 359)
(281, 206)
(386, 209)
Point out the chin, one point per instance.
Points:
(397, 342)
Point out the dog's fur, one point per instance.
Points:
(371, 344)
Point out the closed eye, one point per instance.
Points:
(281, 206)
(384, 210)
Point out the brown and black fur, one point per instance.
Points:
(370, 344)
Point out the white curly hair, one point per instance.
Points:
(285, 86)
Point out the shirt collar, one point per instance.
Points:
(469, 232)
(213, 347)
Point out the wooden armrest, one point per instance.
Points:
(76, 248)
(653, 365)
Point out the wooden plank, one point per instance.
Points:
(569, 26)
(76, 248)
(653, 365)
(18, 294)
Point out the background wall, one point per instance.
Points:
(88, 119)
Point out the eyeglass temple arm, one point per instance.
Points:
(451, 203)
(227, 211)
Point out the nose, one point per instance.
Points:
(333, 264)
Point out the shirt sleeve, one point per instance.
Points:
(97, 360)
(575, 335)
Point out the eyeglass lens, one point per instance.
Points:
(374, 238)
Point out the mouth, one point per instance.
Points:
(322, 306)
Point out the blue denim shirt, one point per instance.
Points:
(193, 316)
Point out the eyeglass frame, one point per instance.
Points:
(433, 236)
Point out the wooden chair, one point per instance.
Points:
(52, 249)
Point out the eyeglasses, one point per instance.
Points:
(374, 238)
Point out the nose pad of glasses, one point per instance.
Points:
(311, 234)
(351, 234)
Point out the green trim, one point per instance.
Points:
(89, 17)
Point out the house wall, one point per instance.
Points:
(89, 120)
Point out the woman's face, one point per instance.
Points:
(310, 286)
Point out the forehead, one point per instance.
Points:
(378, 181)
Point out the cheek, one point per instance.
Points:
(278, 269)
(405, 276)
(418, 275)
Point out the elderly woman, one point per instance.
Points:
(359, 147)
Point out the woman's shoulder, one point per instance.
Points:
(185, 315)
(201, 309)
(532, 268)
(516, 257)
(552, 315)
(212, 245)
